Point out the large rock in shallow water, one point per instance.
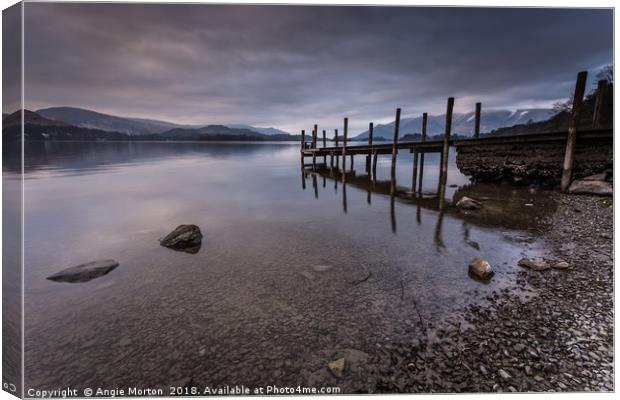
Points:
(592, 185)
(84, 272)
(187, 238)
(480, 269)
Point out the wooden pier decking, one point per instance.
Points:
(372, 150)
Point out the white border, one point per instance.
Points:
(458, 3)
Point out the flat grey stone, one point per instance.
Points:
(84, 272)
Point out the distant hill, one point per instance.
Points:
(131, 126)
(264, 131)
(462, 124)
(95, 120)
(37, 127)
(30, 117)
(212, 130)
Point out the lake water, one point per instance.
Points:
(295, 267)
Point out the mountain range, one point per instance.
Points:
(131, 126)
(462, 124)
(96, 126)
(76, 123)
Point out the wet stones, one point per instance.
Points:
(480, 269)
(541, 265)
(536, 265)
(84, 272)
(186, 238)
(467, 203)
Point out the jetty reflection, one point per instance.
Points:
(513, 208)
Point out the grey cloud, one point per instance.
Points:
(292, 66)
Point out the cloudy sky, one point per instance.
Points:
(292, 66)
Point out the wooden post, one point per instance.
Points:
(336, 145)
(443, 176)
(395, 144)
(344, 144)
(351, 162)
(303, 146)
(598, 106)
(571, 140)
(415, 171)
(477, 126)
(324, 146)
(424, 122)
(374, 166)
(314, 133)
(368, 157)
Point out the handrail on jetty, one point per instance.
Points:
(372, 150)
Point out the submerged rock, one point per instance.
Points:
(467, 203)
(595, 184)
(536, 265)
(187, 238)
(480, 268)
(84, 272)
(337, 367)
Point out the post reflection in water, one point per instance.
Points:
(315, 186)
(369, 183)
(418, 214)
(344, 192)
(392, 203)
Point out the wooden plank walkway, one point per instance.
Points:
(436, 146)
(372, 150)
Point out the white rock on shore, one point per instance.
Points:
(595, 184)
(467, 203)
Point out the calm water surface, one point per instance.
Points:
(295, 268)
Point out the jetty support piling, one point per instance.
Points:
(324, 146)
(571, 139)
(336, 145)
(344, 145)
(424, 122)
(368, 157)
(598, 105)
(443, 175)
(415, 171)
(395, 143)
(303, 146)
(477, 125)
(314, 133)
(374, 166)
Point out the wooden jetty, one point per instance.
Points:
(372, 150)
